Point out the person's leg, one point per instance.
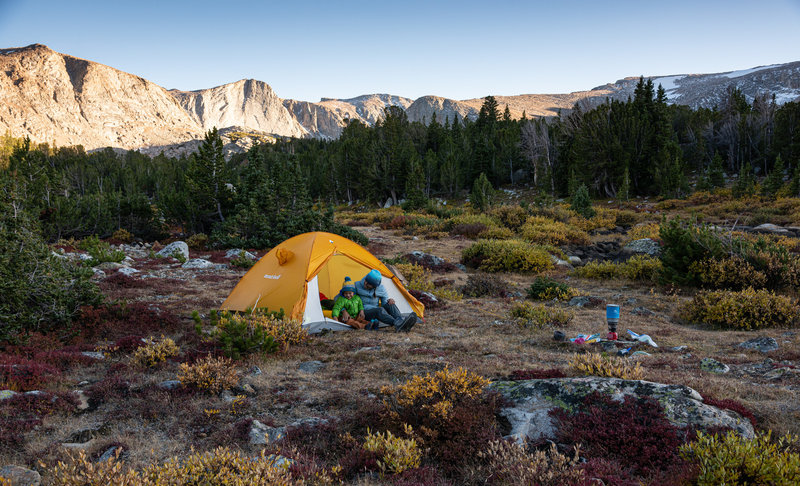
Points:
(401, 323)
(393, 311)
(380, 314)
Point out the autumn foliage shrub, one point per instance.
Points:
(733, 459)
(20, 413)
(545, 288)
(539, 315)
(506, 462)
(210, 375)
(258, 331)
(633, 433)
(728, 273)
(114, 321)
(591, 364)
(638, 267)
(732, 405)
(545, 231)
(395, 454)
(745, 310)
(22, 374)
(154, 352)
(450, 412)
(507, 256)
(485, 285)
(536, 374)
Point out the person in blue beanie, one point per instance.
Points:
(378, 305)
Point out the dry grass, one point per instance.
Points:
(476, 334)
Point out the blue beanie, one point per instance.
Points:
(373, 278)
(348, 285)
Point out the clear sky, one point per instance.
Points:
(308, 49)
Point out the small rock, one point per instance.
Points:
(713, 366)
(109, 453)
(461, 267)
(83, 400)
(169, 385)
(642, 311)
(127, 271)
(128, 261)
(176, 247)
(98, 273)
(247, 389)
(575, 260)
(20, 476)
(261, 434)
(197, 263)
(770, 228)
(311, 366)
(561, 263)
(646, 246)
(585, 301)
(110, 266)
(255, 370)
(235, 252)
(6, 394)
(764, 344)
(679, 349)
(94, 355)
(367, 348)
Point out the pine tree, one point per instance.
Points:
(482, 193)
(208, 177)
(415, 185)
(716, 176)
(623, 194)
(774, 180)
(745, 184)
(582, 203)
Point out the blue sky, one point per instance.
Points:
(466, 49)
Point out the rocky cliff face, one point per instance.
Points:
(247, 103)
(423, 109)
(52, 97)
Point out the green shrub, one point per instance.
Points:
(242, 261)
(507, 256)
(545, 288)
(396, 454)
(744, 310)
(100, 251)
(638, 267)
(481, 285)
(582, 203)
(538, 315)
(512, 217)
(733, 459)
(198, 241)
(39, 292)
(729, 273)
(243, 334)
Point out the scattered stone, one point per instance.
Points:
(247, 389)
(255, 370)
(311, 367)
(128, 261)
(110, 266)
(764, 344)
(83, 400)
(575, 260)
(6, 394)
(261, 434)
(20, 476)
(771, 228)
(679, 349)
(367, 349)
(198, 263)
(175, 248)
(94, 355)
(642, 311)
(98, 273)
(646, 246)
(109, 453)
(425, 259)
(713, 366)
(236, 252)
(531, 401)
(780, 373)
(561, 263)
(461, 267)
(585, 301)
(169, 384)
(128, 271)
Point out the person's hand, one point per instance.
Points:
(390, 302)
(345, 316)
(361, 314)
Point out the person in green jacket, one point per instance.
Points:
(348, 307)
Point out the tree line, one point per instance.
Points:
(638, 147)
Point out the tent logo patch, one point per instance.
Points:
(272, 277)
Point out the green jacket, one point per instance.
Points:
(352, 306)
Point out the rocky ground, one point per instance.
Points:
(145, 412)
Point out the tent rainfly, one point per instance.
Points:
(293, 274)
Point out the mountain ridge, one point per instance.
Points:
(55, 97)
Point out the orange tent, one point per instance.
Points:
(291, 276)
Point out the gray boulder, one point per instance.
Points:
(311, 367)
(6, 394)
(198, 263)
(236, 252)
(169, 385)
(533, 399)
(771, 229)
(764, 344)
(646, 246)
(261, 434)
(20, 476)
(713, 366)
(127, 271)
(176, 247)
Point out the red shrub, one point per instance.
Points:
(426, 300)
(122, 281)
(396, 223)
(520, 375)
(469, 230)
(732, 405)
(421, 476)
(18, 373)
(129, 343)
(64, 359)
(113, 321)
(634, 433)
(21, 413)
(111, 388)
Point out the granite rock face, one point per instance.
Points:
(533, 399)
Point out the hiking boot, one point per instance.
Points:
(407, 323)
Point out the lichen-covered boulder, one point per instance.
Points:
(175, 248)
(645, 246)
(533, 399)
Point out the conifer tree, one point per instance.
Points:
(745, 184)
(582, 203)
(482, 193)
(415, 185)
(774, 180)
(716, 175)
(208, 177)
